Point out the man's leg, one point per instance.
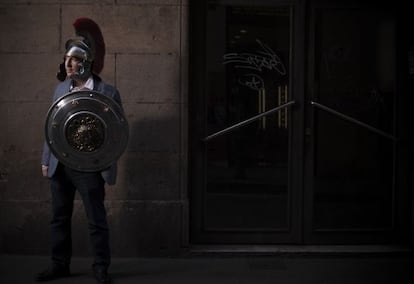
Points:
(63, 193)
(91, 187)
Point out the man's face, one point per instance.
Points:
(72, 66)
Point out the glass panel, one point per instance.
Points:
(353, 186)
(247, 73)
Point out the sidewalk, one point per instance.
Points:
(280, 269)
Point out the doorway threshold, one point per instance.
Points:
(300, 250)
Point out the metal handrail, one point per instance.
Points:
(353, 120)
(247, 121)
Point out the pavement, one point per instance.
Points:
(282, 268)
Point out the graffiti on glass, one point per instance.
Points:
(252, 81)
(263, 59)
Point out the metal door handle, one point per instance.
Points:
(247, 121)
(353, 120)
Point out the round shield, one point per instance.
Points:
(86, 130)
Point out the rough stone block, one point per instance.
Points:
(30, 2)
(27, 28)
(24, 227)
(145, 228)
(149, 78)
(98, 2)
(22, 126)
(153, 127)
(21, 177)
(28, 77)
(147, 176)
(148, 2)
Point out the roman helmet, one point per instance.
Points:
(89, 47)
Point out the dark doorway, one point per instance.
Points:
(295, 119)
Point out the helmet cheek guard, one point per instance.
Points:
(85, 70)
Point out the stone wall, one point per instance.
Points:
(146, 59)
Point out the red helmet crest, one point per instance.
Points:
(90, 31)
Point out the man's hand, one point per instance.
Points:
(44, 170)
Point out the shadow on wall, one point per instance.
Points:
(145, 209)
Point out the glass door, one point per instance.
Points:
(351, 188)
(247, 191)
